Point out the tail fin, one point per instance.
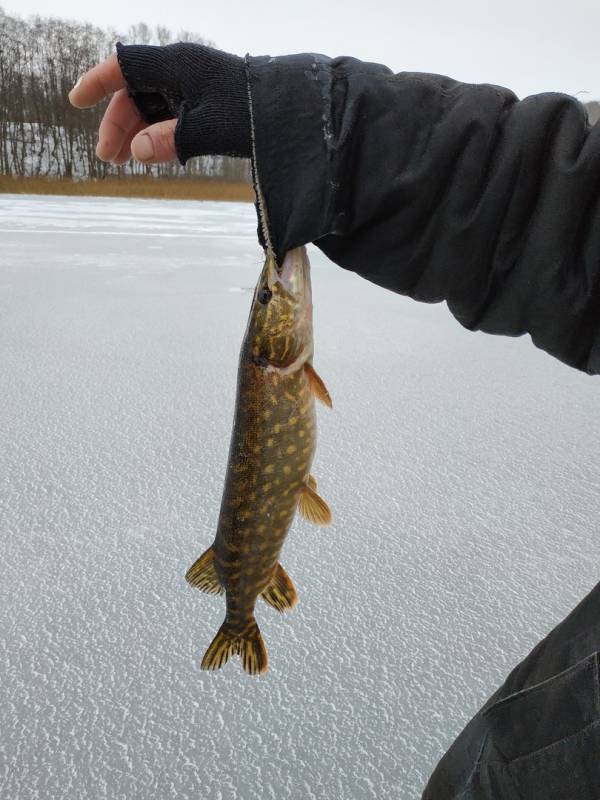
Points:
(249, 646)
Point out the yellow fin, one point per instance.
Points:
(312, 482)
(280, 593)
(317, 386)
(312, 507)
(250, 647)
(202, 574)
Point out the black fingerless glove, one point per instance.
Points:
(204, 88)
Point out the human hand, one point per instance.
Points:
(122, 133)
(180, 100)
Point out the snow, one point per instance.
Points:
(462, 470)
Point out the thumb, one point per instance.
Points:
(156, 143)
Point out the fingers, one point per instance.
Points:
(156, 143)
(124, 153)
(122, 130)
(98, 82)
(118, 121)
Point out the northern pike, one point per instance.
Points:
(268, 472)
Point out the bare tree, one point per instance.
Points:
(140, 34)
(162, 35)
(190, 36)
(40, 132)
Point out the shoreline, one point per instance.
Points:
(160, 188)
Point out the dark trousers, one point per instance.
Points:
(538, 736)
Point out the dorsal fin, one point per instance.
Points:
(202, 574)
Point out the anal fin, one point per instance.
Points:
(312, 506)
(280, 593)
(202, 574)
(317, 386)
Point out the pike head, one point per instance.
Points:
(280, 325)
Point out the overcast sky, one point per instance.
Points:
(530, 46)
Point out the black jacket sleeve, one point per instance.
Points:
(538, 736)
(437, 190)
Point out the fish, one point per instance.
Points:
(268, 476)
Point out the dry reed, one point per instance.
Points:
(167, 188)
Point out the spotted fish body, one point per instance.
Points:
(268, 472)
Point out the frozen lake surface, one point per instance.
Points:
(463, 471)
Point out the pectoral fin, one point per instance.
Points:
(202, 574)
(280, 593)
(317, 386)
(312, 507)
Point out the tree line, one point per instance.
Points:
(40, 132)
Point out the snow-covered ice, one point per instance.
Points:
(463, 471)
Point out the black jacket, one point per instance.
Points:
(538, 736)
(438, 190)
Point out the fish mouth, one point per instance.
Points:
(294, 275)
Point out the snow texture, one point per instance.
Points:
(463, 471)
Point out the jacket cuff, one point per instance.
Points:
(293, 151)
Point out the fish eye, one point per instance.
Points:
(264, 295)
